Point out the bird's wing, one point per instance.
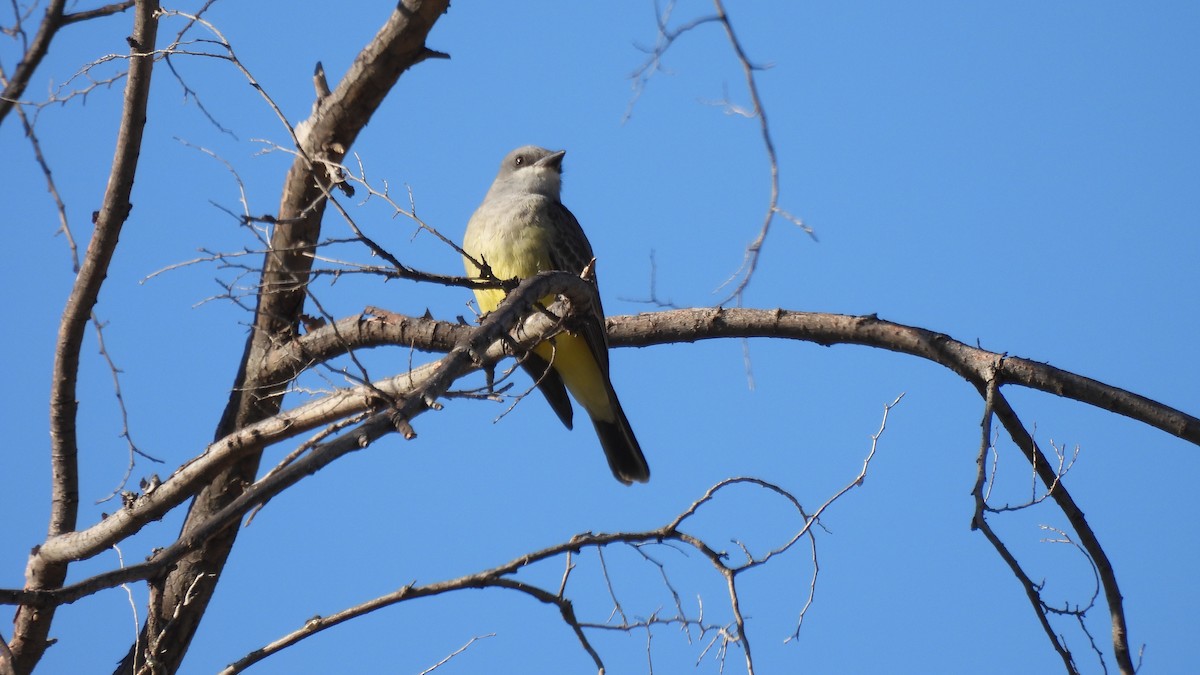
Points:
(570, 251)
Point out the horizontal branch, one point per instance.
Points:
(88, 14)
(690, 325)
(971, 363)
(362, 332)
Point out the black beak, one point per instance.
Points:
(553, 160)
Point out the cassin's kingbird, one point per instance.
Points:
(521, 229)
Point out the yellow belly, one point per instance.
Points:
(519, 247)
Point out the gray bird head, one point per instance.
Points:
(530, 169)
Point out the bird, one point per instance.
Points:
(521, 229)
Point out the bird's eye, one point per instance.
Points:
(519, 161)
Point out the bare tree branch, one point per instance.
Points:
(53, 20)
(106, 10)
(501, 577)
(327, 135)
(689, 325)
(32, 625)
(971, 363)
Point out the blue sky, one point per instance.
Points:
(1019, 175)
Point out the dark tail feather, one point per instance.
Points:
(624, 455)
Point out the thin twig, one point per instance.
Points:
(502, 577)
(63, 227)
(1087, 537)
(754, 249)
(979, 522)
(456, 652)
(113, 370)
